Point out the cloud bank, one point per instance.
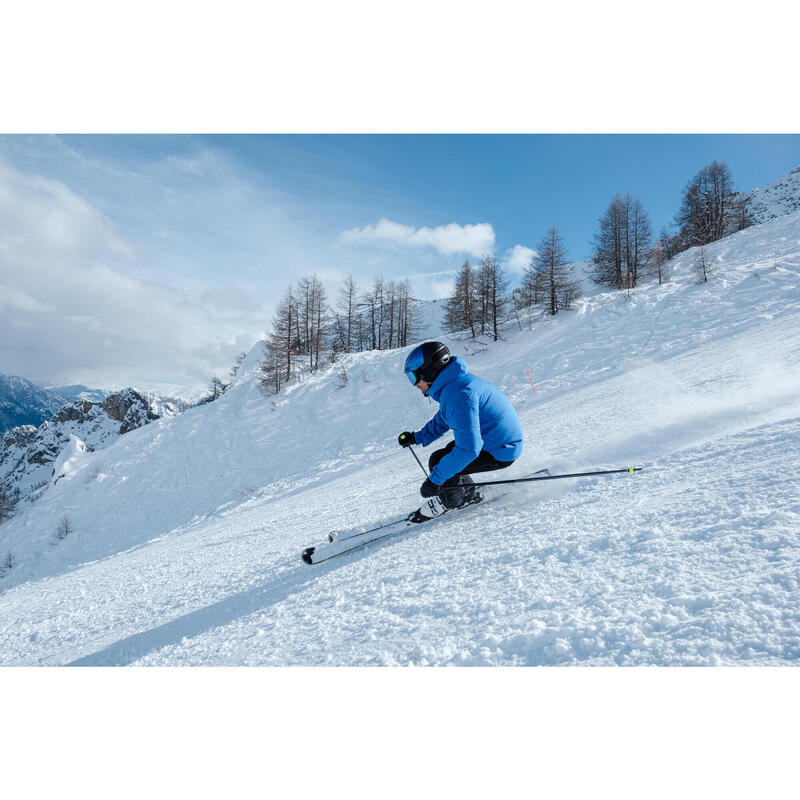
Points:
(475, 240)
(71, 311)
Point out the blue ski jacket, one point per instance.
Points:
(481, 417)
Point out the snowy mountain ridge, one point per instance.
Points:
(774, 199)
(185, 534)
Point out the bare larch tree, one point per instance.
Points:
(460, 306)
(553, 272)
(623, 244)
(710, 208)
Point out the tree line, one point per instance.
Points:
(309, 332)
(624, 252)
(481, 303)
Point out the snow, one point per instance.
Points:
(70, 459)
(781, 196)
(429, 320)
(187, 533)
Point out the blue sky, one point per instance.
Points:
(518, 183)
(155, 259)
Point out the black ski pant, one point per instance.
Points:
(456, 490)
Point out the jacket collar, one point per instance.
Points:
(450, 373)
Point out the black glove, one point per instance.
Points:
(406, 438)
(429, 488)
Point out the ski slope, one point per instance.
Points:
(187, 533)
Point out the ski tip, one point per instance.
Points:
(307, 553)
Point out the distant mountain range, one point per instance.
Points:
(78, 392)
(23, 402)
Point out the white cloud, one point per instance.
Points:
(441, 290)
(518, 258)
(476, 240)
(196, 220)
(73, 312)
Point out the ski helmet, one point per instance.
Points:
(426, 361)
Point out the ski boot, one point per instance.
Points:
(428, 510)
(461, 493)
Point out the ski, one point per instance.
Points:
(337, 536)
(338, 547)
(340, 542)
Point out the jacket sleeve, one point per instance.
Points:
(467, 430)
(432, 431)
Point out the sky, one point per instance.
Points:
(153, 260)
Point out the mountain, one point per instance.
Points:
(180, 395)
(27, 453)
(164, 405)
(164, 399)
(77, 391)
(25, 403)
(781, 196)
(179, 543)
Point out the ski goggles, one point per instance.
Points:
(412, 376)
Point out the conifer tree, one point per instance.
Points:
(460, 306)
(710, 208)
(622, 246)
(282, 344)
(494, 287)
(347, 309)
(554, 274)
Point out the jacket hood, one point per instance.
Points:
(453, 371)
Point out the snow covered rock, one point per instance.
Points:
(129, 408)
(28, 454)
(69, 459)
(781, 196)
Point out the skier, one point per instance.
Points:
(488, 434)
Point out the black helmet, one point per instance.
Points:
(426, 361)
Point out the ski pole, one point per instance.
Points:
(556, 477)
(418, 461)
